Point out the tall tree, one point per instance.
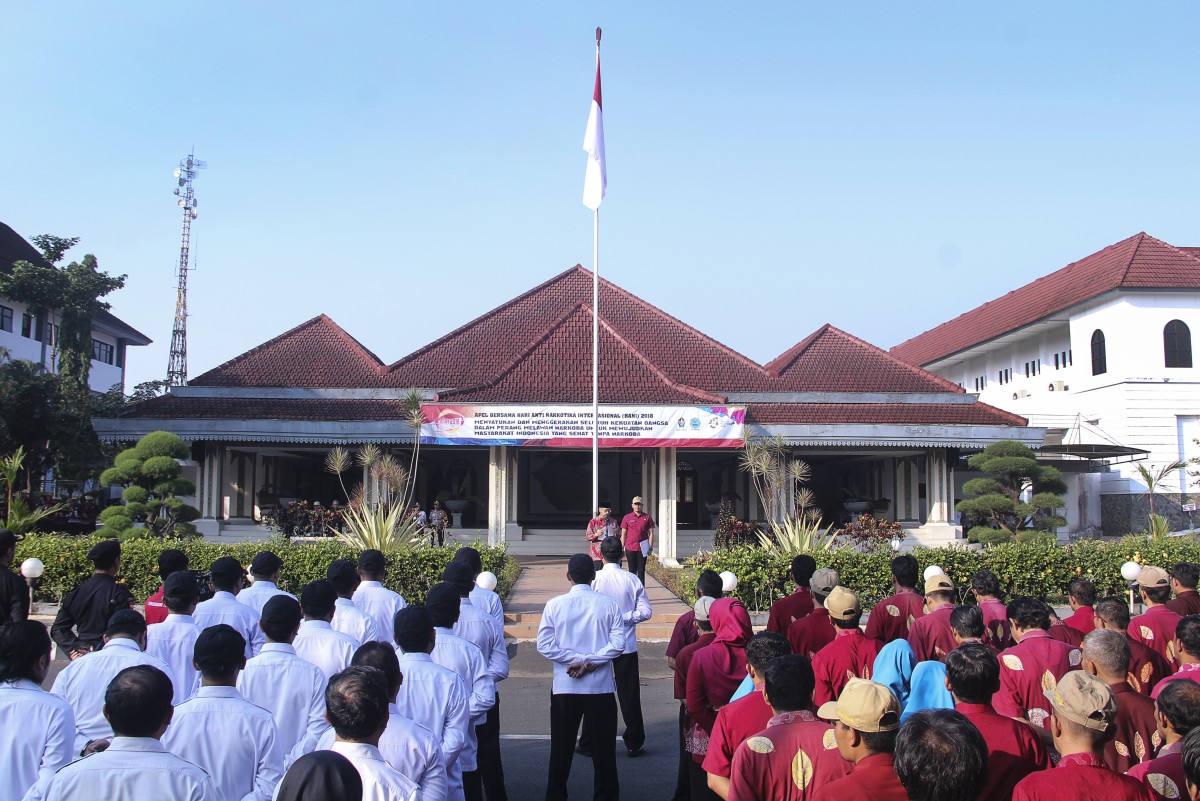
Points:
(1015, 474)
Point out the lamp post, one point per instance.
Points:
(32, 569)
(1129, 572)
(933, 570)
(896, 542)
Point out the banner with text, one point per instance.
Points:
(571, 426)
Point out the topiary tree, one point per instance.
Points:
(999, 499)
(151, 475)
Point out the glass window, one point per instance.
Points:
(102, 352)
(27, 325)
(1177, 344)
(6, 319)
(1099, 354)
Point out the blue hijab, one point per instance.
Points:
(928, 689)
(893, 668)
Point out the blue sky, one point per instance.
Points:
(772, 167)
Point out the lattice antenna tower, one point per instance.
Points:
(185, 173)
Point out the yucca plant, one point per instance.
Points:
(772, 471)
(795, 535)
(379, 526)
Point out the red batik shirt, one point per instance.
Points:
(156, 609)
(1155, 628)
(736, 722)
(1190, 671)
(1164, 774)
(1147, 667)
(995, 620)
(891, 618)
(789, 609)
(791, 760)
(808, 635)
(1028, 669)
(1014, 750)
(872, 779)
(1136, 737)
(851, 655)
(931, 636)
(1185, 602)
(1082, 776)
(1063, 633)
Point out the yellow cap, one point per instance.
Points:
(865, 706)
(1084, 699)
(938, 582)
(842, 604)
(636, 499)
(1153, 577)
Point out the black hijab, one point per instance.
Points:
(321, 776)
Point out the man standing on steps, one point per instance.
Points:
(637, 528)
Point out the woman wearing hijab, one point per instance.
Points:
(321, 776)
(928, 689)
(893, 668)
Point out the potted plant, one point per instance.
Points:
(855, 501)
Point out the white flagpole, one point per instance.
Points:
(596, 342)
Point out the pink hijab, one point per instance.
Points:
(724, 659)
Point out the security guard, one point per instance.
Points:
(14, 592)
(84, 614)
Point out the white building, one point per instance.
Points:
(1100, 354)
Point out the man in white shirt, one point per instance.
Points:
(581, 633)
(174, 639)
(222, 732)
(82, 683)
(372, 597)
(227, 580)
(407, 746)
(265, 570)
(485, 600)
(38, 736)
(348, 618)
(627, 590)
(290, 688)
(317, 642)
(356, 705)
(135, 765)
(431, 695)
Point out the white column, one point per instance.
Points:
(938, 487)
(666, 536)
(497, 493)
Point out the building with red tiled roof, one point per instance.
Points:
(508, 400)
(1099, 353)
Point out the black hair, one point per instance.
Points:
(850, 623)
(943, 596)
(382, 657)
(1029, 613)
(316, 607)
(1083, 591)
(906, 569)
(1187, 574)
(984, 582)
(214, 664)
(171, 560)
(765, 647)
(968, 622)
(803, 567)
(413, 636)
(973, 672)
(1158, 595)
(709, 584)
(611, 549)
(179, 604)
(138, 701)
(1179, 703)
(224, 583)
(582, 573)
(22, 646)
(344, 583)
(1113, 611)
(1191, 757)
(471, 557)
(879, 742)
(126, 623)
(704, 625)
(941, 756)
(356, 702)
(789, 682)
(1187, 631)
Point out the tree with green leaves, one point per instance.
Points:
(151, 475)
(1015, 474)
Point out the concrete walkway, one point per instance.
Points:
(543, 578)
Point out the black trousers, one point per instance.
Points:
(699, 782)
(599, 711)
(683, 790)
(635, 563)
(629, 696)
(491, 769)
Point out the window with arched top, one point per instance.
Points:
(1177, 344)
(1099, 354)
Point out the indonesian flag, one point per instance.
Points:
(596, 178)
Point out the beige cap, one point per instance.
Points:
(636, 499)
(939, 582)
(865, 706)
(824, 580)
(842, 604)
(1085, 699)
(701, 607)
(1153, 577)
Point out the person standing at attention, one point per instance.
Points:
(600, 528)
(372, 597)
(986, 589)
(866, 719)
(83, 617)
(347, 617)
(851, 655)
(228, 578)
(1183, 583)
(174, 639)
(1147, 667)
(790, 608)
(171, 560)
(1177, 711)
(317, 640)
(892, 617)
(265, 570)
(14, 591)
(1134, 730)
(811, 633)
(1024, 667)
(356, 703)
(637, 528)
(1155, 627)
(931, 635)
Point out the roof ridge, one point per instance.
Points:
(784, 360)
(912, 368)
(1140, 237)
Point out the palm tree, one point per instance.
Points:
(1153, 479)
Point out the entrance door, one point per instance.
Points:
(687, 501)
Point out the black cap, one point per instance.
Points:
(581, 568)
(371, 561)
(227, 569)
(105, 551)
(281, 613)
(413, 625)
(124, 621)
(218, 647)
(460, 575)
(181, 584)
(319, 594)
(265, 564)
(8, 539)
(341, 570)
(443, 600)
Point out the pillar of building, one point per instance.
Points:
(666, 535)
(498, 493)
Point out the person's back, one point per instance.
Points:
(1178, 713)
(1035, 661)
(1155, 627)
(357, 704)
(372, 597)
(173, 639)
(265, 571)
(851, 655)
(866, 719)
(892, 618)
(787, 610)
(317, 642)
(941, 756)
(1135, 732)
(931, 636)
(86, 610)
(226, 576)
(810, 634)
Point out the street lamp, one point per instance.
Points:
(896, 542)
(728, 581)
(1130, 572)
(32, 569)
(486, 580)
(933, 570)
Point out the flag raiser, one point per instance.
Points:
(596, 178)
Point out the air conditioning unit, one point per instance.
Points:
(1058, 386)
(1021, 393)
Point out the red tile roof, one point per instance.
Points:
(967, 414)
(1139, 262)
(193, 408)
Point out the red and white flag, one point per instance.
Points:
(596, 178)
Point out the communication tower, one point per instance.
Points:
(185, 173)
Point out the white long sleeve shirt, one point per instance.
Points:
(224, 608)
(37, 738)
(382, 604)
(627, 590)
(436, 698)
(257, 594)
(132, 769)
(174, 642)
(83, 684)
(232, 739)
(488, 602)
(412, 750)
(480, 628)
(581, 626)
(293, 691)
(329, 650)
(381, 782)
(464, 659)
(355, 623)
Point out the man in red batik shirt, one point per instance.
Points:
(1036, 661)
(1147, 667)
(1135, 736)
(682, 662)
(1187, 648)
(790, 608)
(170, 561)
(1082, 594)
(810, 634)
(1183, 583)
(796, 754)
(851, 654)
(865, 719)
(931, 636)
(986, 589)
(1177, 712)
(1083, 713)
(891, 618)
(1155, 627)
(941, 756)
(637, 528)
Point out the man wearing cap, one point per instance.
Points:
(637, 527)
(865, 719)
(219, 730)
(1184, 577)
(317, 641)
(1082, 714)
(14, 592)
(810, 634)
(85, 611)
(1036, 661)
(227, 580)
(372, 597)
(1135, 734)
(931, 636)
(581, 633)
(1147, 667)
(1177, 712)
(174, 639)
(850, 655)
(170, 560)
(1155, 627)
(986, 589)
(892, 617)
(82, 683)
(265, 570)
(290, 688)
(689, 739)
(1187, 649)
(348, 618)
(787, 610)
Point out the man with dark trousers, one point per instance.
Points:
(83, 617)
(637, 527)
(14, 592)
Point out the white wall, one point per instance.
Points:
(101, 377)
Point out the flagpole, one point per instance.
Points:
(596, 341)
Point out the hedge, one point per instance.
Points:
(1037, 569)
(410, 573)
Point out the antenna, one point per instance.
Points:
(185, 173)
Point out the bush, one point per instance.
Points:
(986, 535)
(410, 573)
